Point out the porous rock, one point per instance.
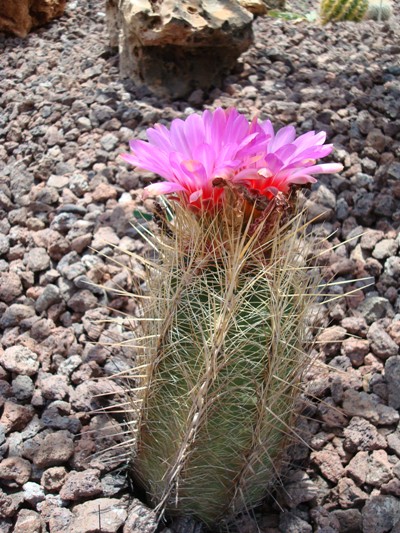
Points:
(176, 47)
(81, 485)
(85, 518)
(20, 359)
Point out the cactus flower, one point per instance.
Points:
(223, 144)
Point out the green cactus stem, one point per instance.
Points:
(338, 10)
(221, 357)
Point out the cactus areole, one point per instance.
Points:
(221, 349)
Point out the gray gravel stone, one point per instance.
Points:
(291, 523)
(385, 248)
(298, 488)
(37, 259)
(33, 493)
(20, 360)
(15, 314)
(4, 244)
(50, 296)
(349, 520)
(22, 387)
(112, 484)
(380, 514)
(392, 375)
(382, 345)
(393, 440)
(375, 307)
(392, 267)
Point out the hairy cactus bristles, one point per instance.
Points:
(379, 10)
(221, 351)
(338, 10)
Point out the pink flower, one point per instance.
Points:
(223, 144)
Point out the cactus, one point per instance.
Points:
(379, 10)
(227, 328)
(338, 10)
(221, 347)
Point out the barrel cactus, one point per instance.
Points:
(221, 349)
(338, 10)
(379, 10)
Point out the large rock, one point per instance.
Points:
(19, 17)
(175, 47)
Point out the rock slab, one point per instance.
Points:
(177, 47)
(20, 17)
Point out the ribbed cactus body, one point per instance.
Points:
(223, 358)
(338, 10)
(379, 10)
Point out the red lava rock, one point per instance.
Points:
(330, 340)
(8, 505)
(380, 469)
(29, 521)
(53, 478)
(349, 495)
(362, 435)
(10, 286)
(54, 387)
(394, 331)
(85, 516)
(329, 463)
(16, 417)
(56, 449)
(355, 350)
(358, 467)
(15, 471)
(391, 487)
(104, 192)
(60, 520)
(81, 485)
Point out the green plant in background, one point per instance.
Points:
(294, 17)
(222, 343)
(338, 10)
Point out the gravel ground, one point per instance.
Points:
(63, 192)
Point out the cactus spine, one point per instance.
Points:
(338, 10)
(221, 358)
(379, 10)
